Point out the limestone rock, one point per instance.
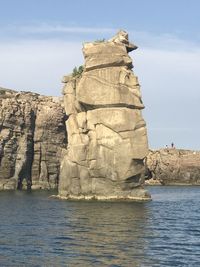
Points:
(174, 166)
(32, 135)
(105, 54)
(109, 87)
(107, 139)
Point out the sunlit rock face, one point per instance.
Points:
(172, 166)
(32, 135)
(107, 138)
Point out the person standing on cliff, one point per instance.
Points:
(172, 145)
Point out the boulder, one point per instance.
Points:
(109, 87)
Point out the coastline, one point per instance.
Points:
(173, 167)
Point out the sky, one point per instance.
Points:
(41, 40)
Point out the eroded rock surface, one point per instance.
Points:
(107, 139)
(174, 167)
(32, 135)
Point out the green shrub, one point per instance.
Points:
(100, 40)
(77, 71)
(2, 92)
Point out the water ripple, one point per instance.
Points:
(38, 231)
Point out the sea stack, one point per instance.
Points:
(107, 137)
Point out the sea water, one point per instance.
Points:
(36, 230)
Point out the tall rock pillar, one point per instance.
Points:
(107, 139)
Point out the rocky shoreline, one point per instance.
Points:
(33, 136)
(173, 167)
(92, 142)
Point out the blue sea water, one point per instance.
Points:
(36, 230)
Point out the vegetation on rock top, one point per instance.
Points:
(100, 40)
(77, 71)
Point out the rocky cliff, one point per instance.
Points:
(174, 167)
(107, 138)
(32, 135)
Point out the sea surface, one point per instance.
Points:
(36, 230)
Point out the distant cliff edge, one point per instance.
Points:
(32, 135)
(173, 167)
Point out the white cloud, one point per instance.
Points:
(169, 78)
(170, 87)
(38, 65)
(46, 28)
(52, 29)
(164, 41)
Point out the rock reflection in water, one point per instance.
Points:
(37, 231)
(106, 234)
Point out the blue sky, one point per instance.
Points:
(41, 40)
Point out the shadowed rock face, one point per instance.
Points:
(107, 138)
(174, 167)
(32, 135)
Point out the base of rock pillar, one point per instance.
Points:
(137, 195)
(8, 184)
